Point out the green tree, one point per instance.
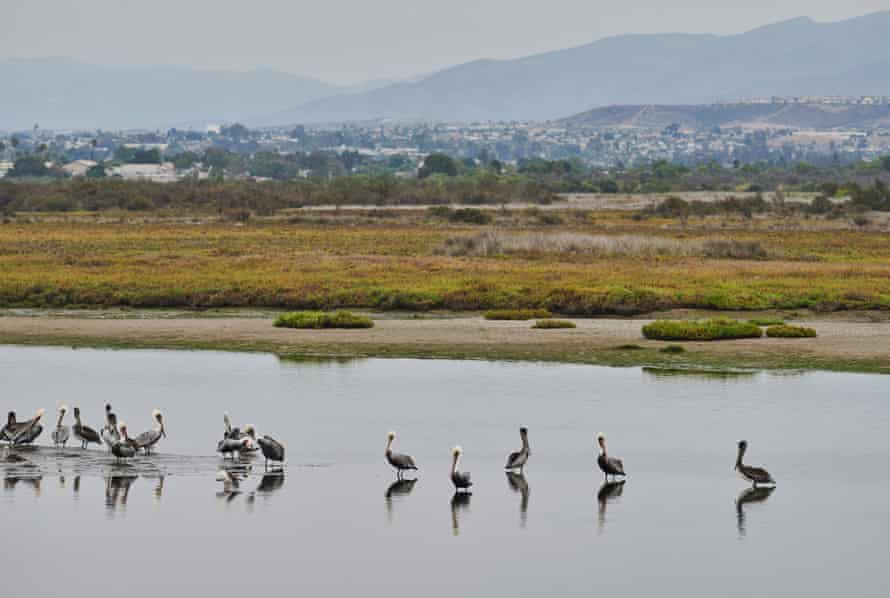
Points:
(96, 172)
(29, 166)
(438, 164)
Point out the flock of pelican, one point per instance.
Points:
(610, 466)
(246, 441)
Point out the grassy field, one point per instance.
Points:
(391, 263)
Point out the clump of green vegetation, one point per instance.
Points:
(786, 331)
(517, 314)
(554, 324)
(321, 319)
(701, 330)
(629, 347)
(766, 321)
(672, 349)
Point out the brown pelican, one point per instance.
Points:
(61, 433)
(520, 457)
(230, 446)
(250, 433)
(147, 440)
(123, 448)
(85, 434)
(398, 461)
(272, 449)
(29, 431)
(109, 431)
(609, 465)
(754, 494)
(755, 475)
(460, 479)
(11, 428)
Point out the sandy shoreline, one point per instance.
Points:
(839, 342)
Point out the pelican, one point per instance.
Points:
(398, 461)
(147, 440)
(250, 433)
(520, 457)
(29, 431)
(755, 475)
(61, 433)
(109, 431)
(230, 446)
(610, 465)
(11, 428)
(460, 479)
(123, 448)
(85, 434)
(272, 449)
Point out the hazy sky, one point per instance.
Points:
(346, 41)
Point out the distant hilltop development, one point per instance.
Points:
(819, 100)
(810, 113)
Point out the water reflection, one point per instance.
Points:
(117, 489)
(518, 483)
(662, 372)
(271, 482)
(398, 490)
(459, 502)
(748, 496)
(609, 492)
(34, 481)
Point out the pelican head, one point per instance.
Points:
(11, 417)
(601, 440)
(77, 412)
(250, 430)
(523, 430)
(156, 413)
(391, 436)
(39, 414)
(123, 429)
(456, 451)
(63, 409)
(107, 407)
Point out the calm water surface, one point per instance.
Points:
(333, 524)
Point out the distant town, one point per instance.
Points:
(235, 151)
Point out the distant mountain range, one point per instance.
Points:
(795, 116)
(797, 57)
(62, 93)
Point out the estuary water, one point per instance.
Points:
(334, 521)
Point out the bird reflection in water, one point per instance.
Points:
(518, 483)
(32, 480)
(117, 489)
(231, 478)
(750, 495)
(609, 492)
(459, 502)
(398, 489)
(271, 482)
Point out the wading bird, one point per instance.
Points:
(61, 433)
(109, 432)
(85, 434)
(272, 449)
(230, 446)
(460, 479)
(29, 432)
(520, 457)
(755, 475)
(398, 461)
(147, 440)
(123, 448)
(609, 465)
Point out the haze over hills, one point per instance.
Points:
(63, 94)
(796, 57)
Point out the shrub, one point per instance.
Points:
(470, 216)
(554, 324)
(629, 347)
(672, 349)
(517, 314)
(786, 331)
(703, 330)
(766, 321)
(320, 319)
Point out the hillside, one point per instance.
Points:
(797, 57)
(799, 116)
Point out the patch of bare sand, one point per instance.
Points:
(841, 340)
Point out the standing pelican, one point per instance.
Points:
(147, 440)
(755, 475)
(272, 449)
(460, 479)
(520, 457)
(61, 433)
(109, 432)
(123, 448)
(29, 432)
(398, 461)
(85, 434)
(609, 465)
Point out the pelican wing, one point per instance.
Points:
(402, 461)
(757, 474)
(147, 439)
